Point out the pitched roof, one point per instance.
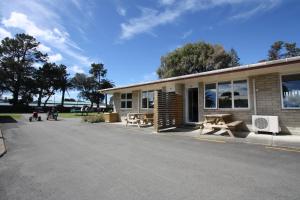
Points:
(260, 65)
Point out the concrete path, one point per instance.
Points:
(73, 160)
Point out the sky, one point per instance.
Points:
(130, 36)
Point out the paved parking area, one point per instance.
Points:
(68, 159)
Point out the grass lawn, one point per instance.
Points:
(74, 115)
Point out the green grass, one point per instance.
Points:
(74, 115)
(15, 116)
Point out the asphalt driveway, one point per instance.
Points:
(68, 159)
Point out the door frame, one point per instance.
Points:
(187, 87)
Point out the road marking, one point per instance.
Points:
(284, 149)
(211, 140)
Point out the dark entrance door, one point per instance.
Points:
(193, 105)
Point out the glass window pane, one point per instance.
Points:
(144, 99)
(291, 91)
(240, 90)
(129, 104)
(129, 95)
(123, 96)
(123, 104)
(210, 96)
(150, 99)
(224, 95)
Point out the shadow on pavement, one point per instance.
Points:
(7, 119)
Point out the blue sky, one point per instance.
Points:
(130, 36)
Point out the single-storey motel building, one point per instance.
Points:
(269, 88)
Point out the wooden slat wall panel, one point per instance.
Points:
(168, 110)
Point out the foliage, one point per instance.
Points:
(17, 57)
(93, 118)
(280, 49)
(195, 58)
(89, 86)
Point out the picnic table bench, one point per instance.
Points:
(139, 119)
(221, 122)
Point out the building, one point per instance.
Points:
(267, 88)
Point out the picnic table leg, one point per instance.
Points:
(230, 132)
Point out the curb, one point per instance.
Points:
(2, 145)
(257, 142)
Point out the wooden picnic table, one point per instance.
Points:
(223, 122)
(139, 118)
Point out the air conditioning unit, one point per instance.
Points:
(265, 123)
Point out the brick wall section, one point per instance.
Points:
(268, 98)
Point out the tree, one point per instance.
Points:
(275, 50)
(280, 49)
(104, 85)
(195, 58)
(17, 56)
(86, 86)
(64, 83)
(291, 50)
(89, 86)
(235, 60)
(98, 72)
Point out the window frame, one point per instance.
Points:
(147, 108)
(232, 94)
(217, 103)
(281, 92)
(126, 100)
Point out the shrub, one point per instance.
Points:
(93, 118)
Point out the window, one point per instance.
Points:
(228, 94)
(225, 95)
(240, 91)
(211, 95)
(126, 100)
(291, 91)
(147, 99)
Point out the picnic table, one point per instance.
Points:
(139, 119)
(221, 122)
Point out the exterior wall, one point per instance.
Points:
(136, 105)
(123, 112)
(268, 92)
(268, 102)
(244, 115)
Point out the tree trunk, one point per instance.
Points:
(63, 97)
(106, 101)
(40, 99)
(15, 97)
(46, 101)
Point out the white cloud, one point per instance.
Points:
(4, 33)
(262, 7)
(55, 58)
(76, 69)
(121, 11)
(166, 2)
(151, 18)
(54, 37)
(44, 48)
(186, 34)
